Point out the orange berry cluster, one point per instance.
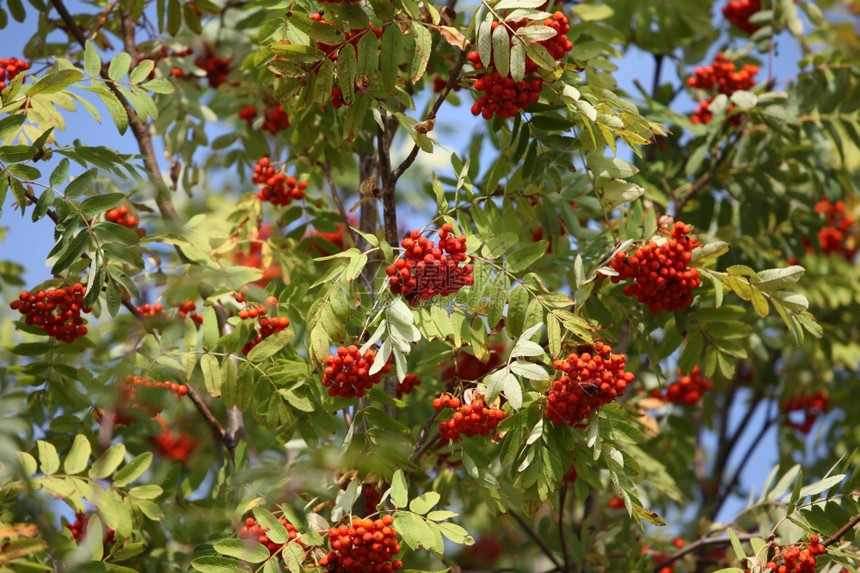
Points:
(277, 188)
(407, 385)
(57, 312)
(9, 68)
(687, 390)
(587, 382)
(187, 310)
(347, 372)
(152, 311)
(127, 398)
(275, 118)
(833, 238)
(268, 327)
(428, 269)
(79, 528)
(738, 12)
(796, 560)
(504, 97)
(811, 405)
(256, 532)
(175, 446)
(660, 273)
(366, 546)
(121, 216)
(216, 68)
(470, 419)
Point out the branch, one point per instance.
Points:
(842, 531)
(138, 127)
(703, 542)
(453, 78)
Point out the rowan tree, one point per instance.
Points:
(299, 330)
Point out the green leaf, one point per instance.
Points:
(517, 307)
(522, 259)
(100, 203)
(211, 373)
(116, 110)
(820, 486)
(513, 391)
(79, 455)
(421, 55)
(424, 502)
(399, 490)
(10, 124)
(108, 462)
(133, 469)
(610, 167)
(270, 346)
(346, 72)
(592, 12)
(59, 174)
(81, 183)
(502, 50)
(55, 82)
(736, 545)
(73, 250)
(244, 549)
(174, 17)
(119, 66)
(456, 533)
(275, 530)
(529, 370)
(368, 59)
(146, 491)
(214, 564)
(485, 40)
(414, 530)
(390, 54)
(49, 461)
(92, 60)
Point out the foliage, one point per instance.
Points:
(309, 354)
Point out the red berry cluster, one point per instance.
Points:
(275, 118)
(723, 77)
(175, 446)
(57, 312)
(347, 372)
(835, 238)
(216, 68)
(616, 502)
(470, 419)
(256, 532)
(811, 405)
(79, 528)
(277, 188)
(128, 399)
(588, 381)
(187, 310)
(504, 97)
(738, 12)
(687, 390)
(428, 269)
(372, 498)
(661, 276)
(366, 546)
(797, 560)
(121, 216)
(152, 311)
(268, 327)
(9, 68)
(407, 385)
